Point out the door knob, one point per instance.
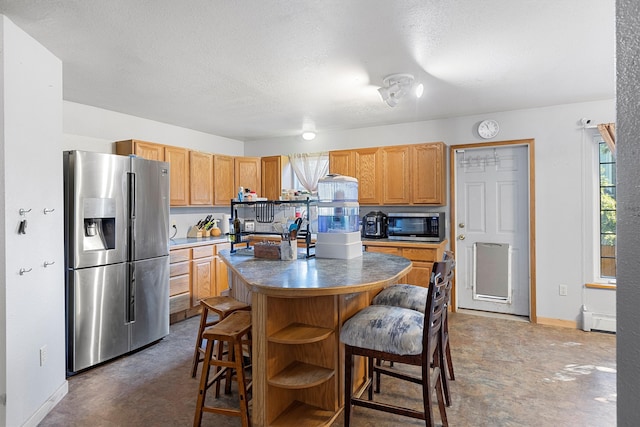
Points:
(461, 225)
(461, 237)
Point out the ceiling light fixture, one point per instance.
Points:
(396, 86)
(308, 135)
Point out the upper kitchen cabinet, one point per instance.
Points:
(342, 162)
(276, 175)
(396, 175)
(224, 188)
(144, 149)
(369, 174)
(200, 178)
(363, 164)
(428, 165)
(247, 173)
(178, 158)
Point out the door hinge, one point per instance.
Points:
(3, 399)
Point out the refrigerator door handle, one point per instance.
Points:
(132, 194)
(131, 294)
(131, 181)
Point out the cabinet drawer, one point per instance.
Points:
(221, 246)
(179, 269)
(179, 255)
(179, 303)
(384, 250)
(420, 254)
(202, 251)
(178, 285)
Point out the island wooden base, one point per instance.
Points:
(296, 344)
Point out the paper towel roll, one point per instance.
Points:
(224, 223)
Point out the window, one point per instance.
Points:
(607, 167)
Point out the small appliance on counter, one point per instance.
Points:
(420, 226)
(338, 218)
(374, 225)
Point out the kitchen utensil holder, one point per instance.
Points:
(194, 232)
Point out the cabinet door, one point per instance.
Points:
(419, 274)
(222, 276)
(342, 162)
(178, 158)
(428, 185)
(149, 150)
(201, 178)
(396, 173)
(223, 186)
(247, 172)
(144, 149)
(202, 279)
(368, 172)
(272, 171)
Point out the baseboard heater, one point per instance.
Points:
(598, 322)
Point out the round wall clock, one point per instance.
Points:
(488, 129)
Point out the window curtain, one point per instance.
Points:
(309, 168)
(608, 133)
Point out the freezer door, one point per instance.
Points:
(149, 209)
(149, 300)
(96, 317)
(95, 186)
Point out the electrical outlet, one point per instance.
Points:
(173, 223)
(562, 290)
(43, 355)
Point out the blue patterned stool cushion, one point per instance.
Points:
(384, 328)
(402, 295)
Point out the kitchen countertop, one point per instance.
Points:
(187, 242)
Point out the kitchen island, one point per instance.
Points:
(298, 308)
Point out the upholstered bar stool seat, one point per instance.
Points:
(235, 331)
(403, 295)
(367, 331)
(222, 306)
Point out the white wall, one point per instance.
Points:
(32, 315)
(87, 127)
(562, 152)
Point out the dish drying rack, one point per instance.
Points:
(264, 212)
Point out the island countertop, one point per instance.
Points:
(307, 277)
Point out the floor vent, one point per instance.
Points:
(598, 322)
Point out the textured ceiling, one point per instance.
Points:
(264, 68)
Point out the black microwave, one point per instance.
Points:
(421, 226)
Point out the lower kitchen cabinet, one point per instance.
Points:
(195, 273)
(422, 255)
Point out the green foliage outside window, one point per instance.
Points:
(607, 212)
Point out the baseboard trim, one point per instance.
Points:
(557, 322)
(47, 406)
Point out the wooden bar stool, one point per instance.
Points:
(222, 306)
(230, 330)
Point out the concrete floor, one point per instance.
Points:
(508, 373)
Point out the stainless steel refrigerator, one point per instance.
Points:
(116, 255)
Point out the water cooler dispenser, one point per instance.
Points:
(338, 218)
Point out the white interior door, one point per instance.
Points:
(492, 229)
